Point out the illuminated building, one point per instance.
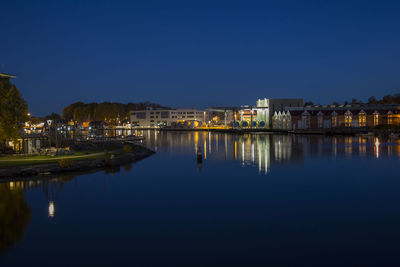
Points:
(169, 117)
(349, 116)
(267, 111)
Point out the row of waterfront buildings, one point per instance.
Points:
(273, 114)
(289, 113)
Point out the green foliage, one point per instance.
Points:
(53, 116)
(309, 103)
(65, 163)
(128, 149)
(13, 111)
(387, 99)
(112, 112)
(372, 100)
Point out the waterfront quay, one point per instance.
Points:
(338, 131)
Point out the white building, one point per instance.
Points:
(169, 117)
(267, 108)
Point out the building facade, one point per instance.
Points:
(169, 118)
(261, 115)
(325, 117)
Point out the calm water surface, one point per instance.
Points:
(256, 199)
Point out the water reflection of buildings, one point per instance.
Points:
(264, 150)
(51, 188)
(15, 213)
(258, 150)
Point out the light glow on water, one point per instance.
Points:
(377, 143)
(52, 209)
(252, 195)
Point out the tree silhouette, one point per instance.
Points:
(111, 112)
(13, 111)
(309, 103)
(372, 100)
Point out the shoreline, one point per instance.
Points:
(78, 166)
(330, 132)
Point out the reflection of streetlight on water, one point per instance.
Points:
(377, 147)
(52, 188)
(52, 209)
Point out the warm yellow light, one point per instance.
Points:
(12, 185)
(52, 209)
(377, 147)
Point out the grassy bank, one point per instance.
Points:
(35, 160)
(22, 160)
(54, 165)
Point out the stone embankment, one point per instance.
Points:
(331, 131)
(83, 165)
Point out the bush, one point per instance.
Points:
(65, 163)
(128, 149)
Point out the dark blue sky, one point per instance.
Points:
(199, 53)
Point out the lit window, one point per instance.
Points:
(362, 119)
(376, 119)
(348, 118)
(390, 118)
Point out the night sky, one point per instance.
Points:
(199, 53)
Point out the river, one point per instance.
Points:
(253, 199)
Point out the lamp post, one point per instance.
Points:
(251, 117)
(225, 118)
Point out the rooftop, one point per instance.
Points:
(346, 107)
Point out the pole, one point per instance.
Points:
(234, 119)
(251, 118)
(225, 118)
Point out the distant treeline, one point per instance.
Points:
(387, 99)
(80, 111)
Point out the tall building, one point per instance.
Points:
(266, 108)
